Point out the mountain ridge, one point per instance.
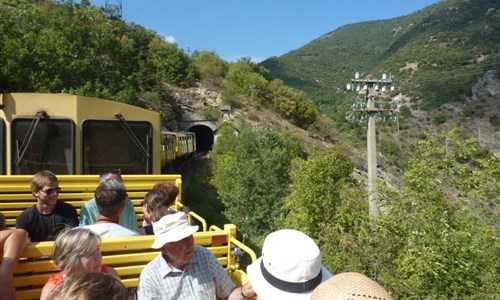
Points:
(436, 56)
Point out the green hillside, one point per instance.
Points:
(435, 55)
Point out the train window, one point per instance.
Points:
(2, 147)
(42, 144)
(108, 144)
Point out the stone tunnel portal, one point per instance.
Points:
(204, 137)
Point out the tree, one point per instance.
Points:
(169, 64)
(291, 104)
(431, 243)
(242, 79)
(250, 172)
(211, 67)
(329, 206)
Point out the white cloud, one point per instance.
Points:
(170, 39)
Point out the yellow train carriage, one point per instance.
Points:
(177, 144)
(186, 143)
(71, 134)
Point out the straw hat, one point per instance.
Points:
(350, 286)
(289, 268)
(172, 228)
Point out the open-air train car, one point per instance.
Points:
(71, 134)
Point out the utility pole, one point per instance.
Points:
(372, 112)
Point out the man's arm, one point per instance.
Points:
(13, 242)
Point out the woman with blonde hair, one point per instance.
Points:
(76, 250)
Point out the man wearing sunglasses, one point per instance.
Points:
(48, 216)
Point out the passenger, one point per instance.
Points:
(172, 191)
(350, 285)
(75, 251)
(182, 270)
(90, 286)
(48, 216)
(154, 206)
(13, 243)
(110, 198)
(290, 268)
(89, 211)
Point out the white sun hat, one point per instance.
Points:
(289, 268)
(172, 228)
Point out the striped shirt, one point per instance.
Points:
(203, 278)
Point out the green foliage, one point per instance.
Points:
(327, 205)
(495, 121)
(71, 47)
(211, 67)
(168, 64)
(324, 127)
(451, 45)
(316, 189)
(434, 232)
(242, 78)
(439, 118)
(437, 237)
(77, 48)
(405, 112)
(389, 149)
(250, 172)
(291, 104)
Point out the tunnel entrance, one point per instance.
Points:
(204, 137)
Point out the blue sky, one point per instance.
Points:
(254, 28)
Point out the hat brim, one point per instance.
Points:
(174, 237)
(266, 291)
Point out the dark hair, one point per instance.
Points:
(157, 204)
(170, 189)
(105, 173)
(110, 196)
(154, 198)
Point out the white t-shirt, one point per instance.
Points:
(111, 230)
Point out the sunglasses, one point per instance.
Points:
(51, 191)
